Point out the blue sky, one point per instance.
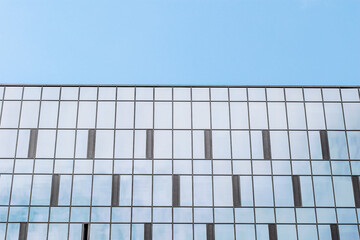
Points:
(197, 42)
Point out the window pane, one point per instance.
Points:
(163, 115)
(201, 115)
(162, 191)
(65, 144)
(258, 116)
(21, 190)
(221, 144)
(102, 190)
(315, 116)
(220, 115)
(87, 115)
(182, 115)
(105, 115)
(299, 145)
(124, 144)
(5, 185)
(125, 115)
(10, 114)
(239, 115)
(202, 191)
(104, 143)
(343, 192)
(67, 115)
(279, 145)
(354, 143)
(162, 144)
(182, 144)
(283, 191)
(7, 143)
(323, 192)
(142, 191)
(45, 144)
(29, 114)
(41, 190)
(144, 115)
(223, 191)
(352, 115)
(277, 116)
(48, 114)
(334, 116)
(240, 144)
(81, 190)
(263, 191)
(337, 145)
(296, 115)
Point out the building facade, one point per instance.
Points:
(179, 163)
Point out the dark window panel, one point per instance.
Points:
(85, 231)
(296, 191)
(266, 144)
(324, 145)
(33, 143)
(236, 191)
(356, 188)
(149, 144)
(91, 143)
(55, 186)
(23, 231)
(208, 144)
(115, 190)
(272, 232)
(210, 231)
(334, 232)
(147, 231)
(176, 190)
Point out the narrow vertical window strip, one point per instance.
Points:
(115, 190)
(55, 185)
(272, 232)
(266, 144)
(147, 231)
(208, 144)
(334, 232)
(85, 231)
(356, 189)
(149, 144)
(324, 145)
(32, 143)
(23, 231)
(176, 190)
(210, 231)
(296, 191)
(236, 191)
(91, 143)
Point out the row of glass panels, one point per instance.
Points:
(179, 93)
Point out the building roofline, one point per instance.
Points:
(188, 86)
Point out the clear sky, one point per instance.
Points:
(197, 42)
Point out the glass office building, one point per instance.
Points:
(179, 163)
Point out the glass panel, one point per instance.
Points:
(343, 192)
(50, 93)
(45, 144)
(352, 115)
(10, 114)
(69, 93)
(144, 93)
(337, 145)
(258, 116)
(163, 93)
(163, 115)
(162, 191)
(125, 115)
(181, 93)
(88, 93)
(224, 231)
(220, 115)
(21, 190)
(201, 115)
(277, 115)
(275, 94)
(67, 115)
(323, 192)
(334, 116)
(315, 116)
(183, 231)
(102, 190)
(81, 190)
(5, 185)
(263, 191)
(162, 144)
(202, 191)
(48, 114)
(106, 115)
(245, 232)
(256, 94)
(279, 145)
(239, 115)
(221, 144)
(65, 144)
(144, 115)
(296, 115)
(107, 93)
(283, 191)
(41, 190)
(219, 94)
(354, 143)
(7, 143)
(87, 115)
(299, 145)
(125, 93)
(223, 191)
(142, 191)
(182, 115)
(124, 144)
(240, 144)
(294, 94)
(104, 144)
(29, 114)
(182, 144)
